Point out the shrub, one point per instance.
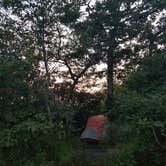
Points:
(39, 138)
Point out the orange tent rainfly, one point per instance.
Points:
(94, 128)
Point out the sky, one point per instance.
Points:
(83, 8)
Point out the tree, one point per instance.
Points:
(78, 62)
(17, 74)
(43, 21)
(16, 86)
(115, 26)
(150, 76)
(141, 101)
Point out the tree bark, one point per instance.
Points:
(110, 75)
(47, 105)
(71, 94)
(110, 69)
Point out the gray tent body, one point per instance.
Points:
(90, 133)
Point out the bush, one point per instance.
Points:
(16, 84)
(150, 75)
(38, 139)
(125, 157)
(139, 111)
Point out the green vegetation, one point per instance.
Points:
(49, 56)
(142, 113)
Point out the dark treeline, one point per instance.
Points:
(50, 53)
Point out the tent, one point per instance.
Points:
(95, 128)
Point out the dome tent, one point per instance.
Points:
(95, 128)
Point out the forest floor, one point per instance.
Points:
(96, 152)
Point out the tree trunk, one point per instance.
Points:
(47, 78)
(151, 48)
(71, 94)
(110, 69)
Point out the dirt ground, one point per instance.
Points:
(94, 152)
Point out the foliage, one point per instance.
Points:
(150, 75)
(17, 78)
(39, 139)
(39, 38)
(143, 114)
(141, 110)
(123, 158)
(111, 29)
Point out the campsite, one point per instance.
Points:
(82, 82)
